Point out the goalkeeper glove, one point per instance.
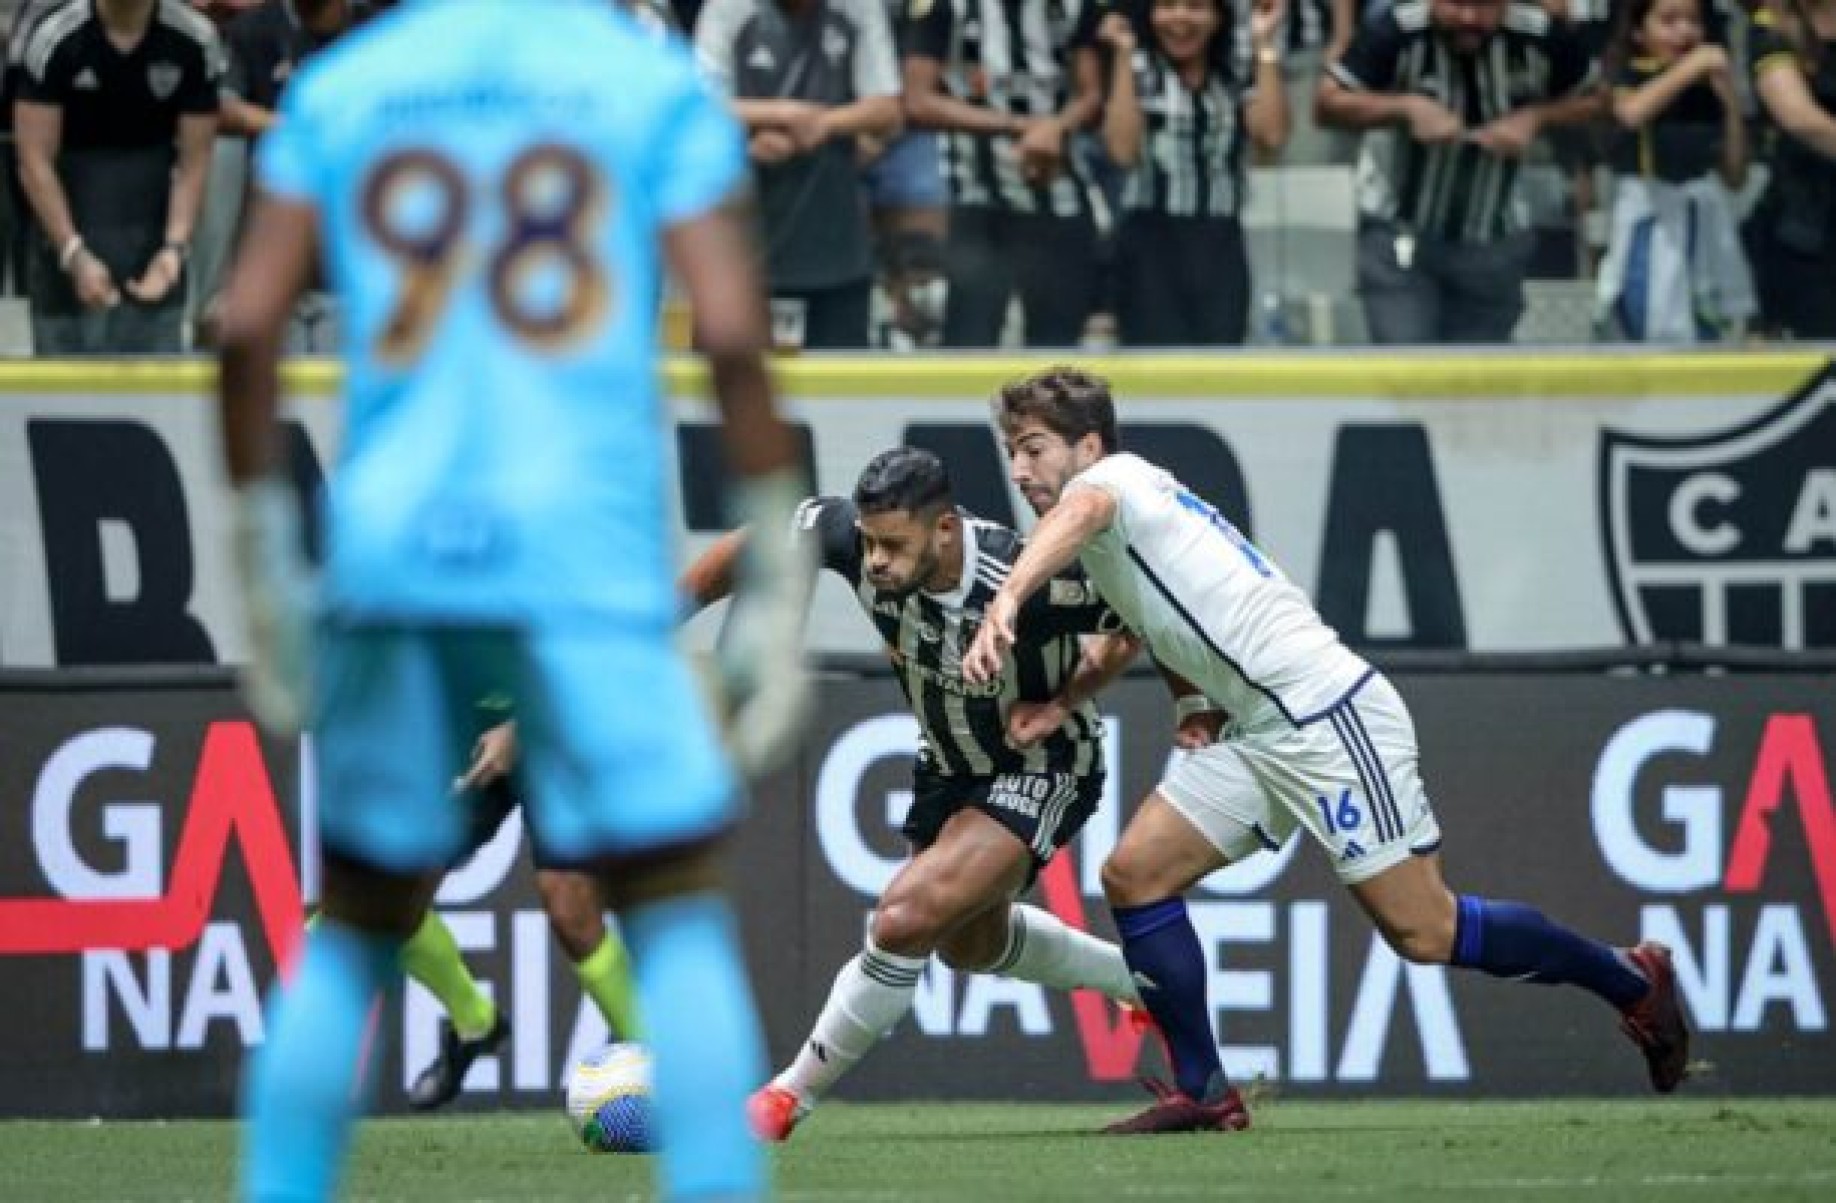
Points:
(765, 686)
(277, 591)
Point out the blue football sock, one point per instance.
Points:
(704, 1035)
(1509, 939)
(299, 1091)
(1163, 953)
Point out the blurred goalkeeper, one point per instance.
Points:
(490, 211)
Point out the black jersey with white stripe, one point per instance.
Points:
(1457, 191)
(926, 634)
(118, 99)
(1013, 56)
(1191, 161)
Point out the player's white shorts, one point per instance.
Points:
(1349, 777)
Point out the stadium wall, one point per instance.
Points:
(152, 877)
(1483, 502)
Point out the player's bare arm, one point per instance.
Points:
(713, 259)
(275, 263)
(493, 756)
(1054, 543)
(1104, 658)
(273, 267)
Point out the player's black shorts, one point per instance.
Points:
(1043, 810)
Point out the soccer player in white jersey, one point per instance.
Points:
(494, 188)
(1323, 742)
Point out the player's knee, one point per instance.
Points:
(906, 925)
(573, 907)
(1425, 943)
(973, 948)
(639, 881)
(1131, 881)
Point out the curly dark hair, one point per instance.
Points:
(1068, 401)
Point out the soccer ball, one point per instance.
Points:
(608, 1100)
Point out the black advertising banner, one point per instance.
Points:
(150, 874)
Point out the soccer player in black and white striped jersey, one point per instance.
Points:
(1008, 88)
(1462, 88)
(986, 815)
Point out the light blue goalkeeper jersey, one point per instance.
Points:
(492, 178)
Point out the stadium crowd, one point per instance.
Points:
(1053, 173)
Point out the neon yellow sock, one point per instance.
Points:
(431, 957)
(606, 976)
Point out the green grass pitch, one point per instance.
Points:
(1682, 1149)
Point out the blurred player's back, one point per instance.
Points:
(495, 175)
(492, 184)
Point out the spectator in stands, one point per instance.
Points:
(14, 224)
(1461, 88)
(267, 42)
(116, 111)
(1674, 270)
(1177, 119)
(1004, 82)
(1792, 234)
(808, 78)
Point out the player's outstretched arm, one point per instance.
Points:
(1077, 518)
(272, 267)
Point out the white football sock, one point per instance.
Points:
(870, 995)
(1042, 948)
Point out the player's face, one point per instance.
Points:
(1041, 463)
(903, 552)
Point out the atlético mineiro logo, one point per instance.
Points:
(1729, 537)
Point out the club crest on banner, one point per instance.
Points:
(1728, 537)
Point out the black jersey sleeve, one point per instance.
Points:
(201, 90)
(1068, 605)
(830, 522)
(1571, 66)
(1369, 63)
(927, 29)
(45, 70)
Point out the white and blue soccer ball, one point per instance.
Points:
(608, 1100)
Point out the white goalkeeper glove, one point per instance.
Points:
(277, 593)
(765, 687)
